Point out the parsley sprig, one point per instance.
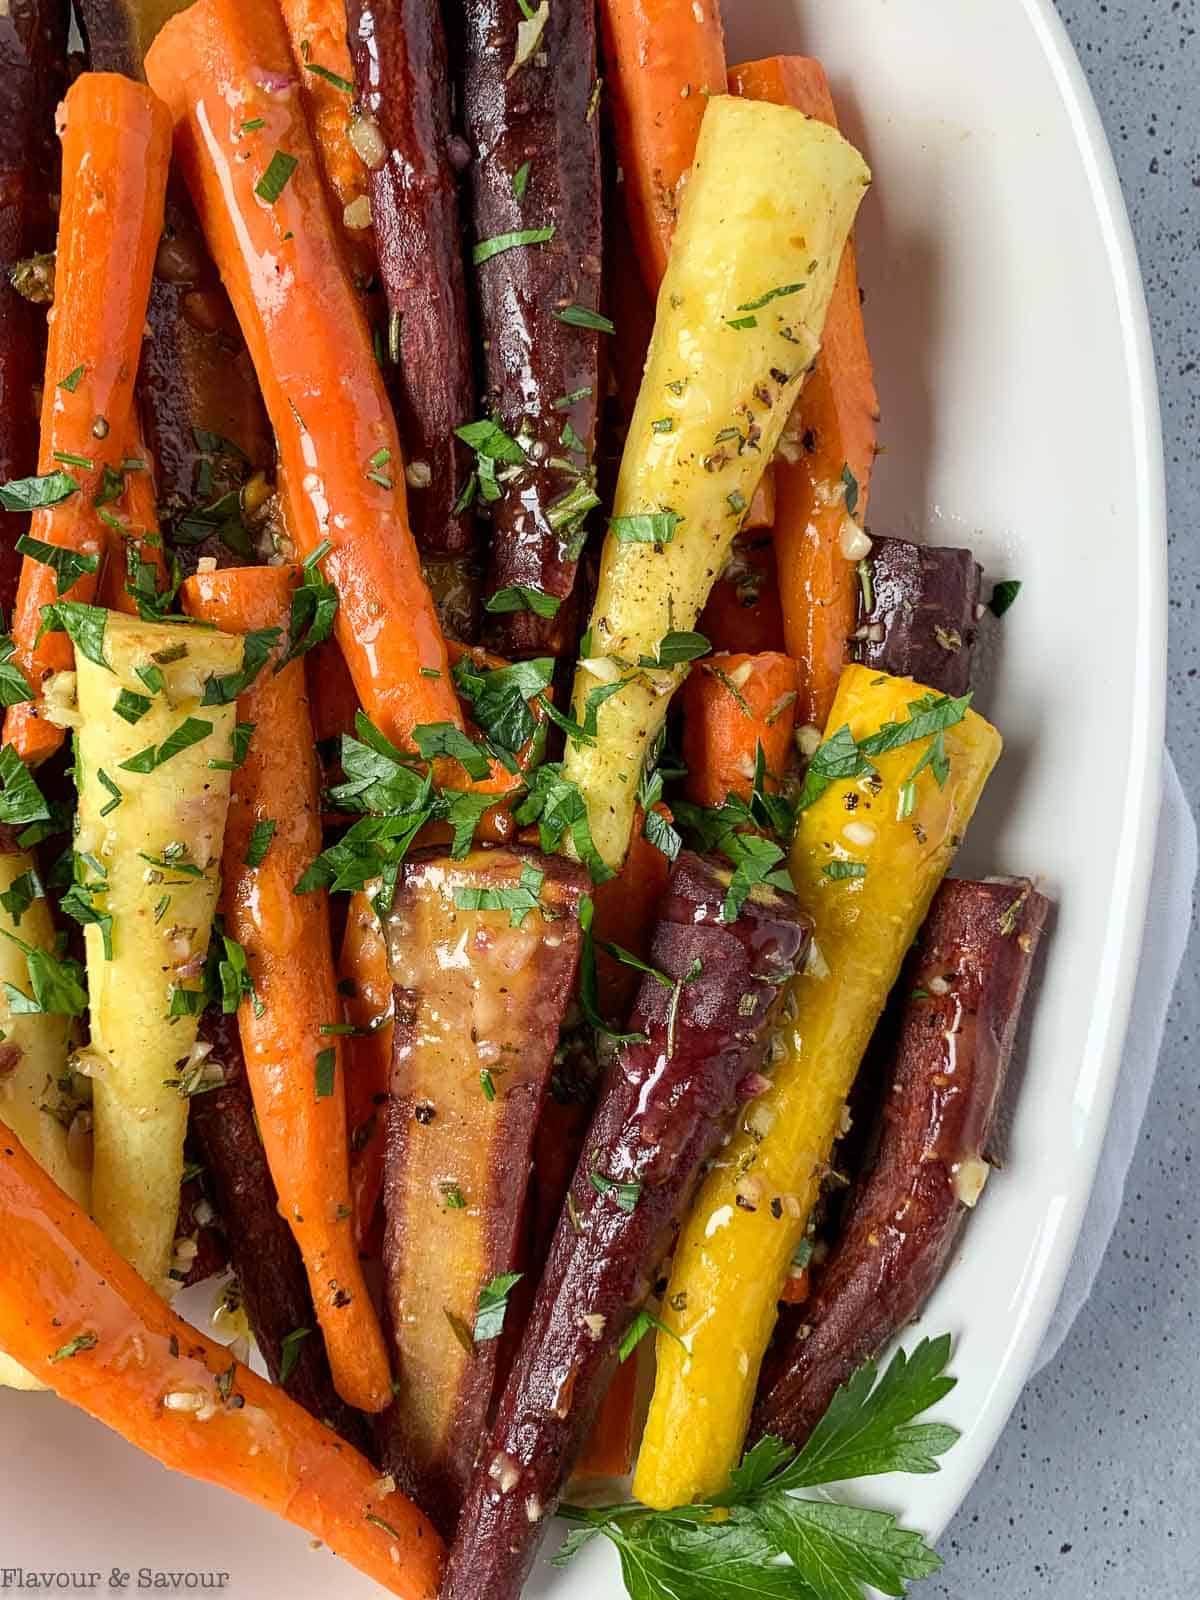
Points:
(733, 1542)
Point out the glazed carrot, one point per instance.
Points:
(366, 986)
(732, 704)
(664, 58)
(608, 1452)
(317, 29)
(293, 1062)
(137, 512)
(80, 1318)
(742, 611)
(115, 147)
(242, 140)
(332, 697)
(832, 432)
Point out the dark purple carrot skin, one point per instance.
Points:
(965, 982)
(33, 66)
(925, 600)
(539, 114)
(436, 1128)
(261, 1249)
(660, 1117)
(399, 51)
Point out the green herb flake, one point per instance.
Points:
(131, 707)
(676, 648)
(260, 842)
(639, 1328)
(487, 248)
(493, 1303)
(566, 401)
(487, 1084)
(852, 490)
(289, 1352)
(771, 294)
(31, 494)
(663, 425)
(71, 382)
(839, 870)
(191, 731)
(626, 1195)
(742, 322)
(81, 1341)
(521, 180)
(452, 1195)
(67, 565)
(523, 597)
(325, 1072)
(253, 124)
(106, 782)
(275, 179)
(581, 317)
(652, 527)
(333, 78)
(1003, 595)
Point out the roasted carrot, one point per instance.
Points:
(823, 470)
(732, 705)
(317, 29)
(80, 1318)
(366, 986)
(664, 58)
(242, 139)
(137, 543)
(742, 611)
(290, 1001)
(116, 145)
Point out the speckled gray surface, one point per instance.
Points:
(1094, 1488)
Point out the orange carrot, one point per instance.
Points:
(731, 705)
(116, 145)
(79, 1317)
(243, 142)
(294, 1063)
(832, 431)
(366, 986)
(761, 511)
(317, 29)
(137, 512)
(608, 1452)
(664, 58)
(742, 611)
(333, 699)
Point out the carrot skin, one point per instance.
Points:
(33, 49)
(300, 1102)
(116, 146)
(311, 346)
(663, 58)
(732, 704)
(402, 73)
(832, 428)
(536, 114)
(60, 1280)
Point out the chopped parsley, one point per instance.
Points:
(499, 243)
(275, 179)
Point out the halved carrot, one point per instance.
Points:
(664, 58)
(246, 151)
(732, 704)
(116, 144)
(366, 986)
(290, 1021)
(137, 512)
(317, 29)
(79, 1317)
(826, 469)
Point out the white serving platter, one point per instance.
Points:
(1006, 318)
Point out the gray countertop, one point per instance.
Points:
(1094, 1488)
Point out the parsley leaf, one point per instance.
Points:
(192, 730)
(652, 527)
(220, 689)
(842, 756)
(28, 494)
(84, 625)
(21, 801)
(1003, 595)
(493, 1303)
(67, 565)
(260, 842)
(517, 899)
(675, 648)
(555, 803)
(523, 597)
(314, 606)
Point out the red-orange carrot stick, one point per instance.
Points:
(664, 58)
(608, 1452)
(742, 611)
(832, 430)
(366, 986)
(317, 29)
(116, 145)
(243, 142)
(137, 513)
(79, 1317)
(294, 1063)
(731, 705)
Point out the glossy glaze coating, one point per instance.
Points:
(400, 63)
(61, 1281)
(473, 994)
(537, 113)
(965, 983)
(659, 1118)
(220, 68)
(925, 598)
